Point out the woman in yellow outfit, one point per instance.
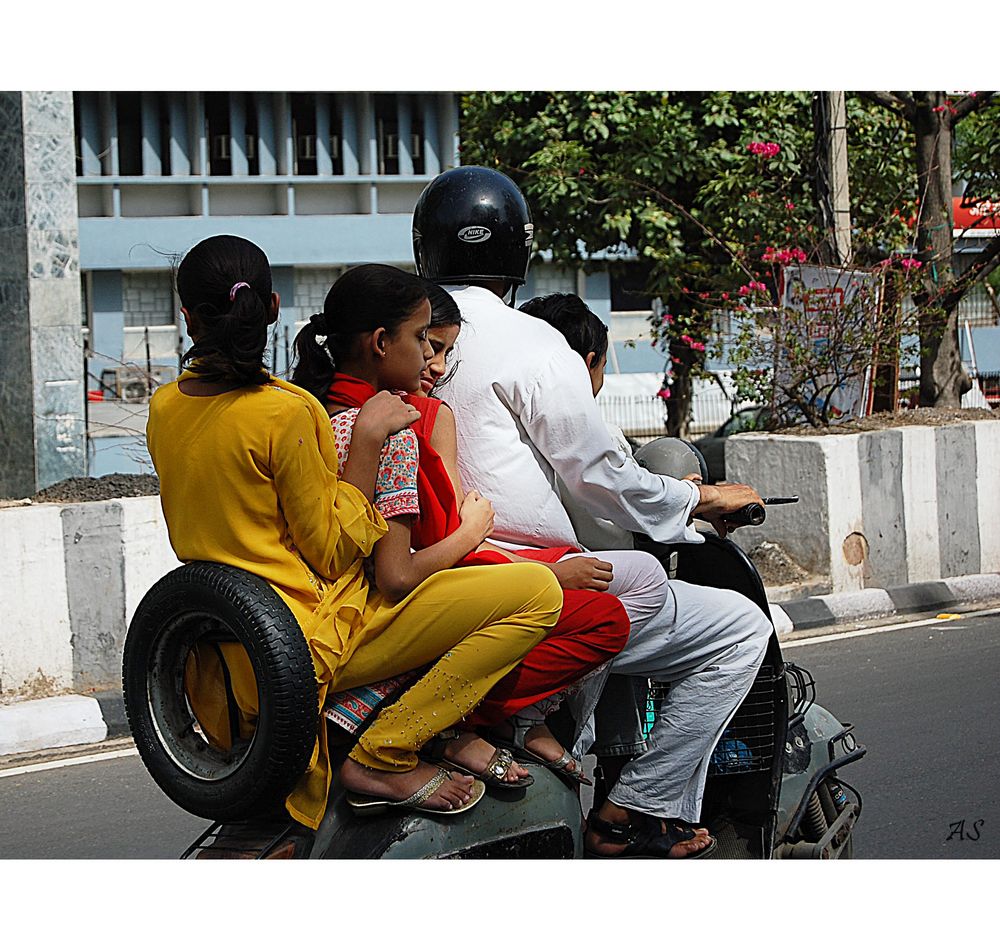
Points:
(248, 477)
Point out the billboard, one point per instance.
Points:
(829, 314)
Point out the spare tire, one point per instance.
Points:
(207, 606)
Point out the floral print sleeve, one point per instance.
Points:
(396, 482)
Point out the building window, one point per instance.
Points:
(387, 133)
(220, 159)
(129, 109)
(163, 122)
(304, 133)
(629, 286)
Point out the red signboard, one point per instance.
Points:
(977, 214)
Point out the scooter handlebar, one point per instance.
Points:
(754, 513)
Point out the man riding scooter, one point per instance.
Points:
(525, 414)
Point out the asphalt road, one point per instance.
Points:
(106, 809)
(923, 701)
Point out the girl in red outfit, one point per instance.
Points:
(342, 358)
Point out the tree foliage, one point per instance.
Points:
(713, 190)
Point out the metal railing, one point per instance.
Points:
(646, 416)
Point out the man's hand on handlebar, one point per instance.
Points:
(721, 499)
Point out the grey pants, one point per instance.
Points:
(708, 644)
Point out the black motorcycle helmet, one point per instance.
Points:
(472, 223)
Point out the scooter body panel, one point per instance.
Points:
(541, 821)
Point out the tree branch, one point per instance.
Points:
(986, 262)
(968, 104)
(896, 101)
(905, 98)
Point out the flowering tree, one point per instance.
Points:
(932, 118)
(713, 190)
(808, 358)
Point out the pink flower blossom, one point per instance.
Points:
(790, 205)
(666, 318)
(764, 149)
(692, 343)
(664, 393)
(725, 296)
(907, 263)
(775, 256)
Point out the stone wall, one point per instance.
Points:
(879, 509)
(148, 298)
(312, 284)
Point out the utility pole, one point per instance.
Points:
(42, 428)
(830, 124)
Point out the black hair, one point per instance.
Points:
(584, 331)
(224, 282)
(444, 310)
(361, 300)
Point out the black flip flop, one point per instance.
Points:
(645, 840)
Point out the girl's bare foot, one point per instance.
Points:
(454, 792)
(473, 753)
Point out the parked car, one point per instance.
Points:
(713, 446)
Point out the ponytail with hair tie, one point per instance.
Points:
(232, 338)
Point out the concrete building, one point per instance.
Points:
(320, 180)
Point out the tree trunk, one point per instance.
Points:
(679, 403)
(941, 374)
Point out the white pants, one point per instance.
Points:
(640, 583)
(707, 643)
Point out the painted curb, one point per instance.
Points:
(50, 723)
(35, 725)
(870, 603)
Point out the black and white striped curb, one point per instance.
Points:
(74, 719)
(869, 603)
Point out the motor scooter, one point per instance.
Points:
(774, 787)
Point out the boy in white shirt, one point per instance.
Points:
(525, 415)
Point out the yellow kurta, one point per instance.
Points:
(248, 478)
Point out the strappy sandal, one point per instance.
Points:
(365, 805)
(496, 769)
(565, 767)
(645, 840)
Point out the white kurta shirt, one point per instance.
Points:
(524, 411)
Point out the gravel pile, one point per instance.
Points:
(86, 489)
(922, 416)
(775, 566)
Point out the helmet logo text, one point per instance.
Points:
(474, 234)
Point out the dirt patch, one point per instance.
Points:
(37, 688)
(775, 565)
(87, 489)
(928, 416)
